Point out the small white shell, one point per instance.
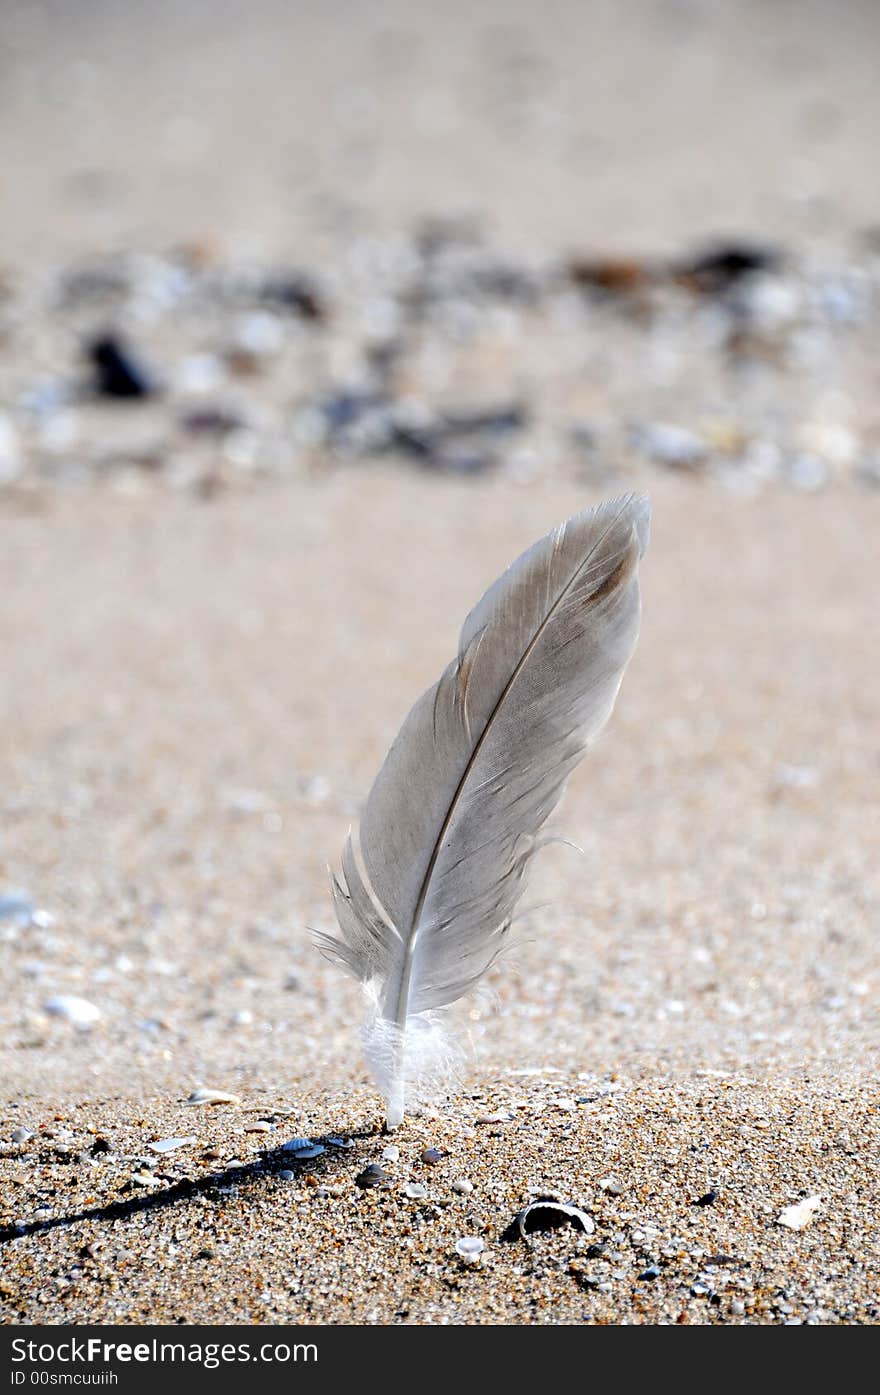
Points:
(145, 1179)
(469, 1248)
(79, 1011)
(206, 1096)
(171, 1145)
(799, 1215)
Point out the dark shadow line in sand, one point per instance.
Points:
(266, 1165)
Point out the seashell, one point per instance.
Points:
(79, 1011)
(303, 1149)
(469, 1248)
(207, 1096)
(548, 1214)
(171, 1145)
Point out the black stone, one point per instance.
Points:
(298, 294)
(372, 1176)
(718, 268)
(117, 372)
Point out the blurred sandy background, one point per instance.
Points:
(621, 126)
(197, 686)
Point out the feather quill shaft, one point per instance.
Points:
(429, 886)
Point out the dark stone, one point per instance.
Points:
(610, 276)
(506, 282)
(297, 293)
(345, 408)
(210, 421)
(492, 420)
(458, 442)
(372, 1176)
(718, 268)
(117, 373)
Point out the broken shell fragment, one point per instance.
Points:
(548, 1214)
(206, 1096)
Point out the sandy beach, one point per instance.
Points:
(691, 1010)
(212, 626)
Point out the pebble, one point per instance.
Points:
(208, 1096)
(372, 1176)
(610, 275)
(798, 1216)
(796, 777)
(211, 421)
(259, 1126)
(11, 457)
(708, 1199)
(391, 1153)
(296, 292)
(21, 1135)
(612, 1187)
(199, 374)
(415, 1191)
(463, 1185)
(652, 1272)
(717, 269)
(469, 1248)
(260, 335)
(771, 304)
(17, 907)
(79, 1011)
(432, 1156)
(808, 472)
(303, 1149)
(675, 446)
(831, 441)
(171, 1145)
(286, 1175)
(116, 372)
(784, 317)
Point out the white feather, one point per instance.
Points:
(429, 887)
